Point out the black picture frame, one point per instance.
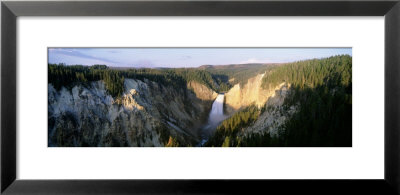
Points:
(10, 10)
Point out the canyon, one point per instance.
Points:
(305, 103)
(146, 114)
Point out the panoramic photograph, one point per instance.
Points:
(199, 97)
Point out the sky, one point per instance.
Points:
(185, 57)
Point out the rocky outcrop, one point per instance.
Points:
(146, 114)
(202, 92)
(273, 114)
(129, 102)
(241, 96)
(270, 101)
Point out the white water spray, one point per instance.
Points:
(214, 119)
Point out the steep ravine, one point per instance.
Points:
(147, 114)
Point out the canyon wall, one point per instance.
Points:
(273, 115)
(240, 96)
(146, 114)
(202, 92)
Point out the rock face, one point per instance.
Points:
(241, 96)
(273, 115)
(202, 92)
(147, 114)
(271, 99)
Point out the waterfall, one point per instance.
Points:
(217, 111)
(215, 117)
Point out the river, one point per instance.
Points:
(215, 117)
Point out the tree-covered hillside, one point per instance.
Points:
(217, 78)
(237, 73)
(321, 91)
(311, 73)
(226, 134)
(62, 75)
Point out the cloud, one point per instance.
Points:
(186, 57)
(272, 60)
(76, 53)
(251, 60)
(143, 64)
